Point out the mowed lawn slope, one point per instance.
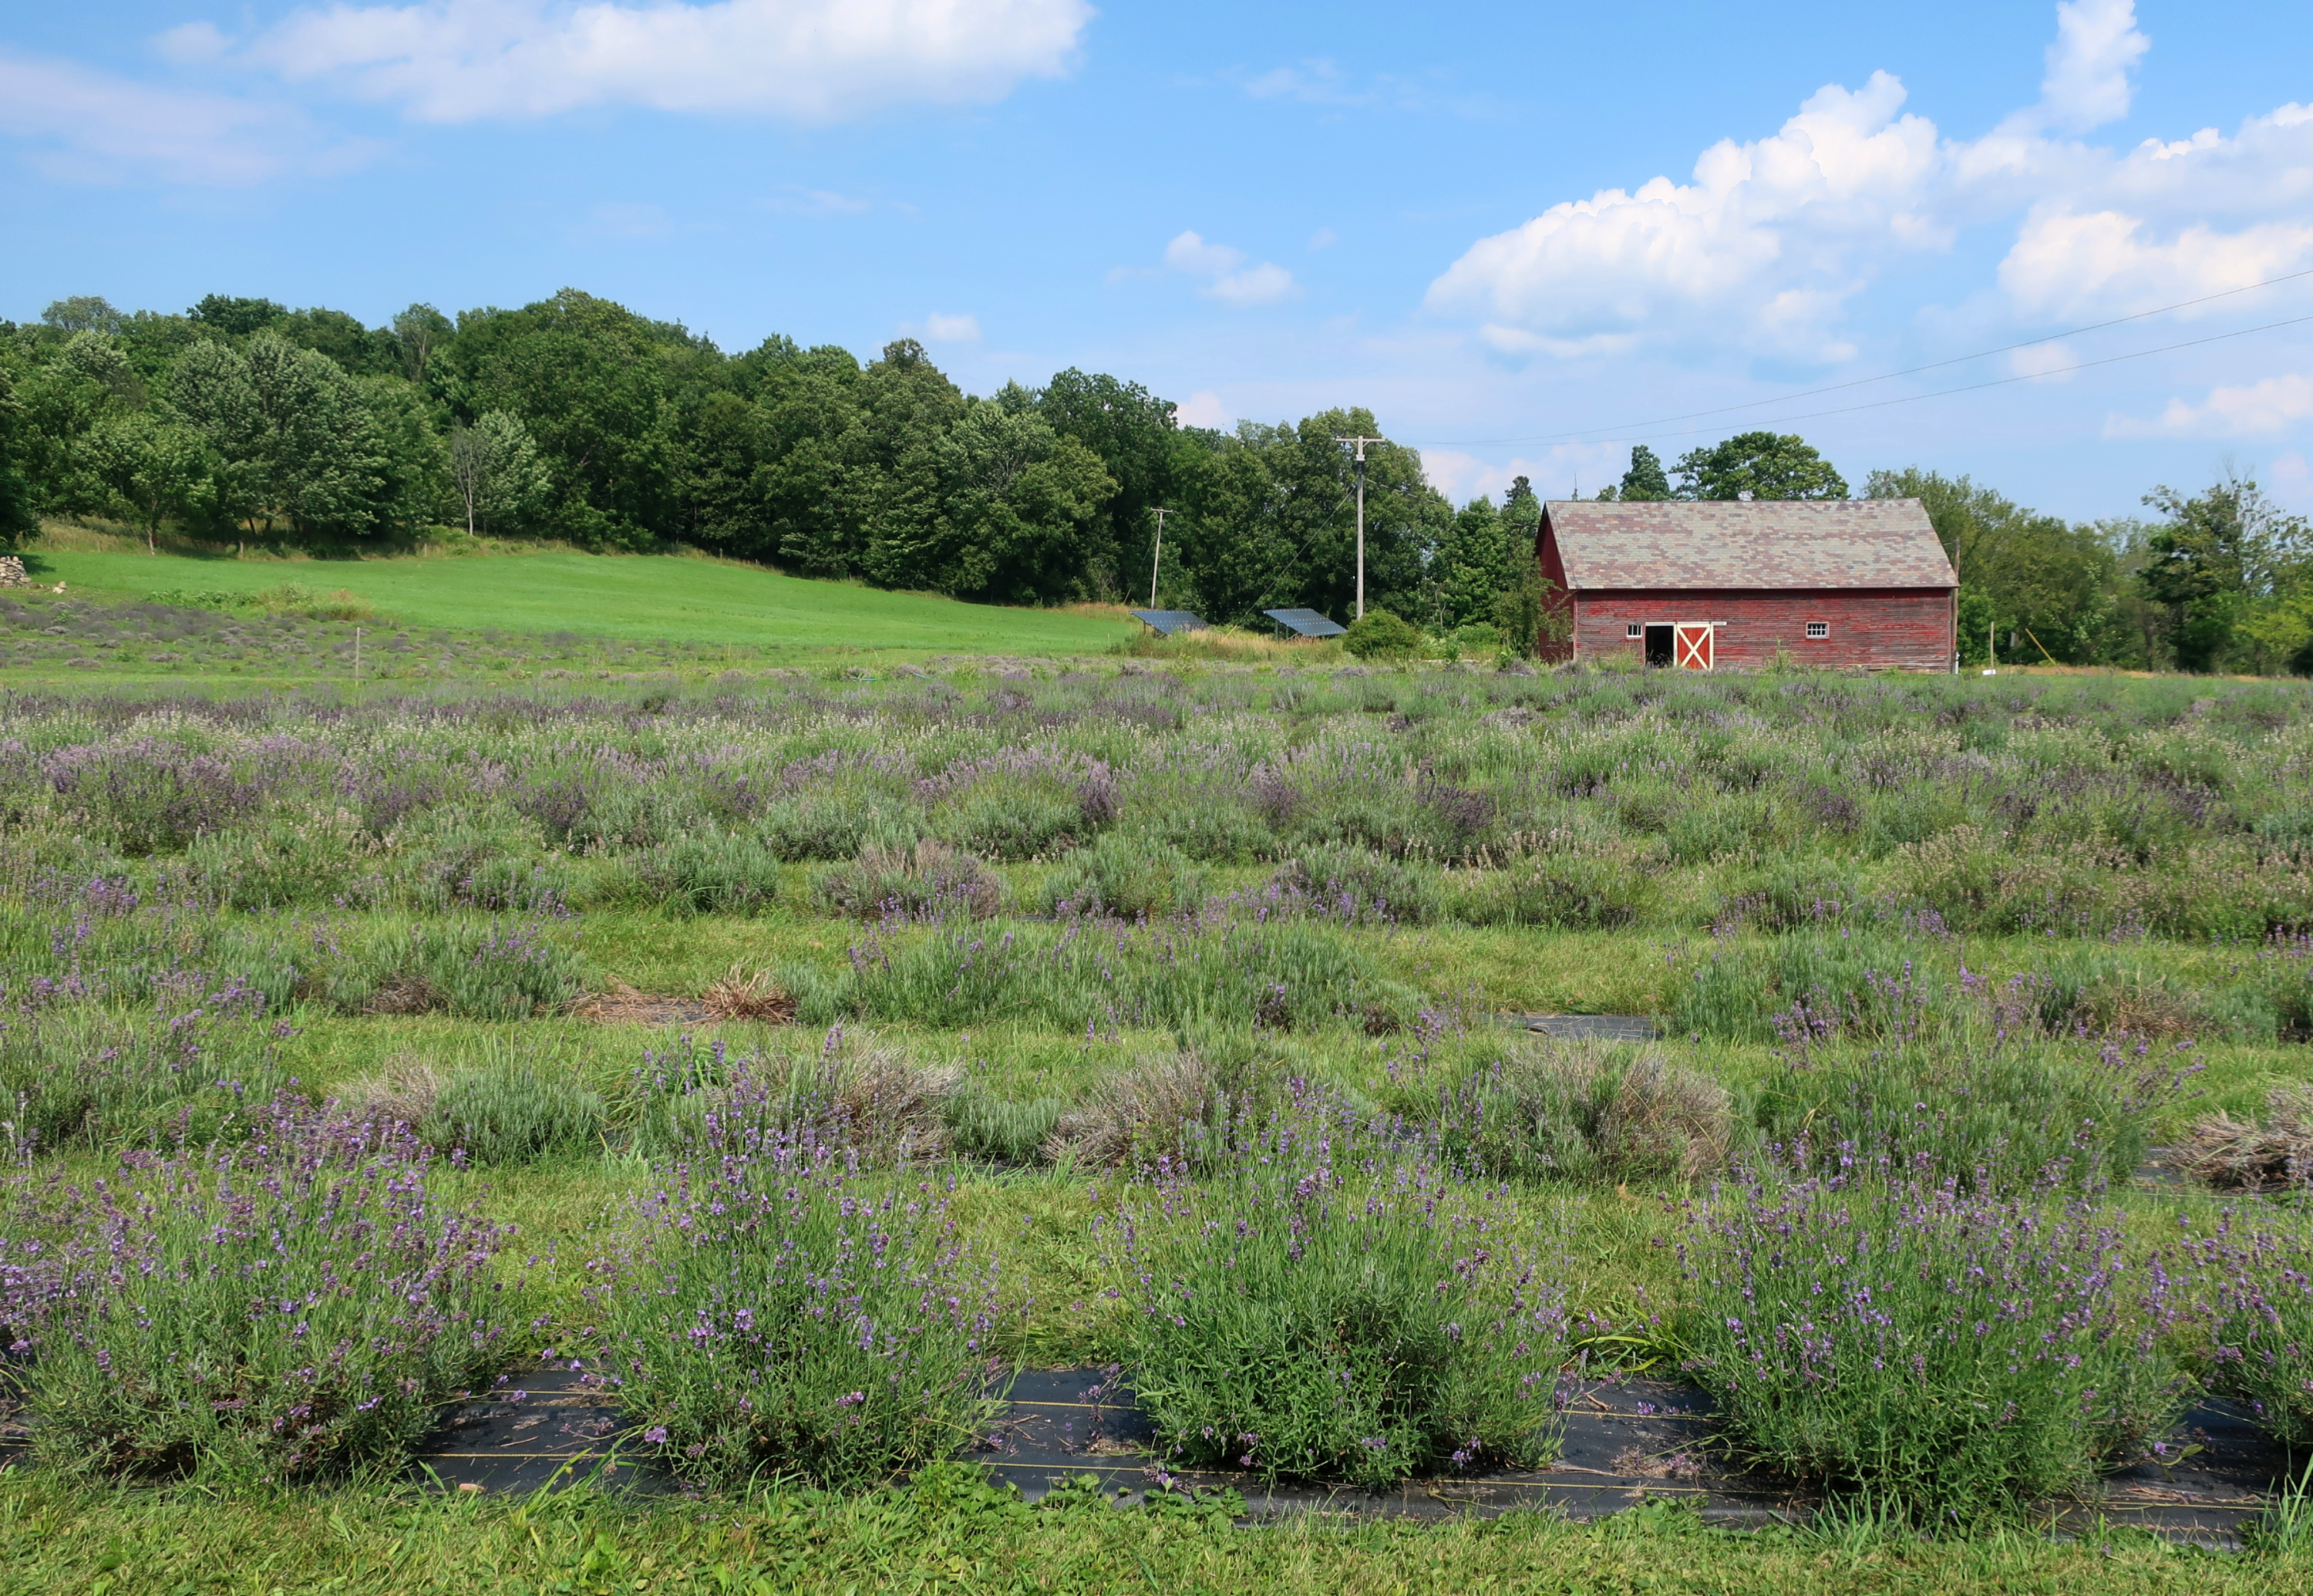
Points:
(639, 596)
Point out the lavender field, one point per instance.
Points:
(796, 1057)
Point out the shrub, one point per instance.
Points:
(1377, 634)
(1573, 889)
(1306, 1317)
(771, 1317)
(857, 1093)
(1585, 1111)
(1952, 1358)
(999, 1129)
(189, 1067)
(1139, 1115)
(2263, 1333)
(1978, 1096)
(1280, 975)
(1128, 878)
(709, 874)
(929, 881)
(150, 796)
(294, 1308)
(1356, 883)
(1210, 830)
(828, 826)
(495, 970)
(508, 1112)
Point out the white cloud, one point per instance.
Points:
(1324, 238)
(91, 126)
(1768, 237)
(1204, 408)
(1767, 246)
(2274, 404)
(2096, 46)
(951, 329)
(812, 60)
(1265, 284)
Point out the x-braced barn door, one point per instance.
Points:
(1693, 646)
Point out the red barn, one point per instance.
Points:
(1850, 582)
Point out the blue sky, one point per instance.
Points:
(1525, 234)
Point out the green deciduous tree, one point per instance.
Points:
(1758, 465)
(495, 467)
(151, 467)
(2051, 583)
(1645, 481)
(2216, 559)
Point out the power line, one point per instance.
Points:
(1624, 427)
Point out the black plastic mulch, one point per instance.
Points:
(1628, 1441)
(1593, 1028)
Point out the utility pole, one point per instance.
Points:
(1160, 557)
(1360, 442)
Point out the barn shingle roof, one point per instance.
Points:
(1761, 544)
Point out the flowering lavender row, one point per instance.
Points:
(2099, 806)
(294, 1306)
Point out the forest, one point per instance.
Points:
(246, 423)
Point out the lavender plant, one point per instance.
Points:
(774, 1314)
(293, 1308)
(1321, 1310)
(1954, 1357)
(200, 1054)
(2262, 1340)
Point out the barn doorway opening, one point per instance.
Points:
(1658, 646)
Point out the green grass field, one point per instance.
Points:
(689, 600)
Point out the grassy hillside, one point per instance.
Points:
(643, 596)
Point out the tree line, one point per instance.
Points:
(573, 419)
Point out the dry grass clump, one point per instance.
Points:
(403, 1093)
(742, 994)
(2238, 1155)
(1581, 1109)
(880, 1100)
(404, 994)
(1137, 1113)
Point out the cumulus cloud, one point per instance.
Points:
(1204, 408)
(1769, 234)
(1227, 277)
(1768, 243)
(812, 60)
(2095, 50)
(2250, 409)
(86, 126)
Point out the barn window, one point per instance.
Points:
(1634, 630)
(1818, 629)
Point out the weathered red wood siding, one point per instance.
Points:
(1878, 629)
(1553, 651)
